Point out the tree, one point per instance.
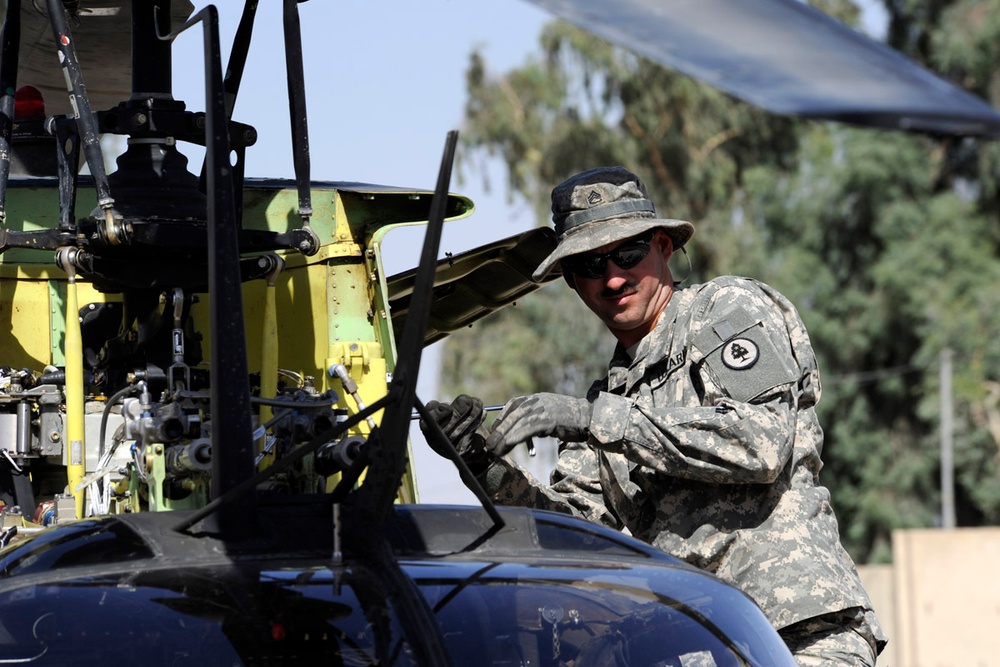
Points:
(888, 268)
(886, 242)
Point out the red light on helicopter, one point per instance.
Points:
(28, 103)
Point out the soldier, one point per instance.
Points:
(702, 439)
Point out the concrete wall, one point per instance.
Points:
(939, 601)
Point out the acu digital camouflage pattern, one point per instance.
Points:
(707, 446)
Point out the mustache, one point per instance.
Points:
(624, 289)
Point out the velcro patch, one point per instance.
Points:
(745, 363)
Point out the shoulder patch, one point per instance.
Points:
(741, 357)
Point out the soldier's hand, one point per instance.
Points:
(525, 417)
(459, 421)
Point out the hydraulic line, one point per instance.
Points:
(110, 403)
(350, 386)
(73, 353)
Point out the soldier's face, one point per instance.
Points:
(629, 301)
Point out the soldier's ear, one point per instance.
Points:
(667, 244)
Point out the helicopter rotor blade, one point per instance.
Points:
(786, 57)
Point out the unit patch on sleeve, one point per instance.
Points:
(741, 357)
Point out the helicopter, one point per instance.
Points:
(249, 496)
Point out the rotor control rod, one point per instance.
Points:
(73, 353)
(179, 374)
(295, 75)
(269, 346)
(80, 101)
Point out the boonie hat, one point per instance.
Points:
(601, 206)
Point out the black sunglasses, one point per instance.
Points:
(625, 256)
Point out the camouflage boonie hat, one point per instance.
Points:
(601, 206)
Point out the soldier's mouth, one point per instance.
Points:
(618, 294)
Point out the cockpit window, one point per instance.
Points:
(489, 614)
(80, 543)
(502, 614)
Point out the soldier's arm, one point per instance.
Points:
(731, 442)
(575, 488)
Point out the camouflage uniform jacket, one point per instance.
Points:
(707, 446)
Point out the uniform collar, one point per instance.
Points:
(625, 368)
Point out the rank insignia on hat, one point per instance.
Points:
(740, 354)
(594, 198)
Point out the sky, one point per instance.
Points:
(385, 83)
